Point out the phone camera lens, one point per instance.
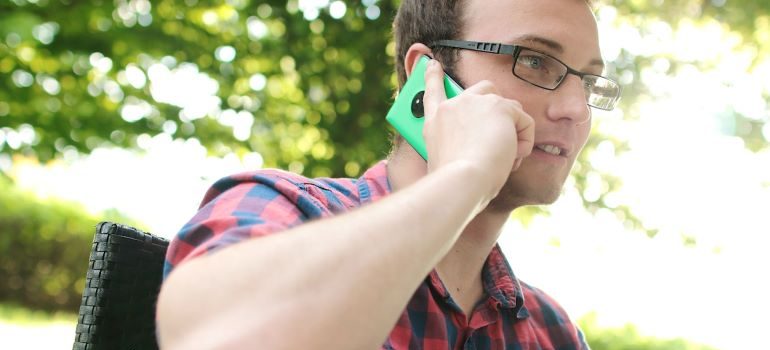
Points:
(418, 109)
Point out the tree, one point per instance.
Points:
(296, 89)
(304, 84)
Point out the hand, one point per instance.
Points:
(478, 128)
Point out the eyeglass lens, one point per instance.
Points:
(547, 72)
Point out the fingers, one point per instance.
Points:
(481, 98)
(483, 87)
(434, 88)
(525, 135)
(517, 163)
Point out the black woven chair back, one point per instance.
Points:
(125, 271)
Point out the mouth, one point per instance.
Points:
(552, 149)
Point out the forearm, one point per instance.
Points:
(338, 283)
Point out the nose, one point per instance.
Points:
(569, 102)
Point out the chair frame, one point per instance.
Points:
(125, 271)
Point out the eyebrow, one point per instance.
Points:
(554, 46)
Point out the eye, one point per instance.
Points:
(533, 62)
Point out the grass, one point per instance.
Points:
(20, 315)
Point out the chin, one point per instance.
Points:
(517, 193)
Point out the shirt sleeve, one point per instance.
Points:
(239, 208)
(582, 343)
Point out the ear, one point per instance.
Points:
(413, 55)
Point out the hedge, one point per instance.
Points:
(628, 337)
(44, 248)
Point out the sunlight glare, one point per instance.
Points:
(184, 87)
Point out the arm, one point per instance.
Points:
(308, 286)
(295, 288)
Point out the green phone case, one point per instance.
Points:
(401, 116)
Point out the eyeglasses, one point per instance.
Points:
(545, 71)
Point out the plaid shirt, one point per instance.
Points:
(513, 315)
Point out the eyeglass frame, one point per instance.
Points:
(514, 51)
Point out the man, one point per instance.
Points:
(406, 256)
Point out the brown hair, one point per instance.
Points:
(425, 21)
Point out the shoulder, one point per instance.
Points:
(548, 315)
(541, 305)
(332, 193)
(256, 204)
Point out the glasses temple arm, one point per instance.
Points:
(495, 48)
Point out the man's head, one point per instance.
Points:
(564, 29)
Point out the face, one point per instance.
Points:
(565, 29)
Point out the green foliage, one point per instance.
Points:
(306, 90)
(44, 247)
(323, 85)
(628, 338)
(19, 315)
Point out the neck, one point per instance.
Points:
(460, 269)
(467, 256)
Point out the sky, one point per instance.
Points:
(683, 174)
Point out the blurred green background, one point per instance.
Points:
(304, 86)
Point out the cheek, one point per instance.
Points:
(533, 100)
(583, 132)
(473, 67)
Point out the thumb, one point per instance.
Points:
(434, 88)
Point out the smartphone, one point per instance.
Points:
(408, 111)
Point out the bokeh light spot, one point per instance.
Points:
(225, 53)
(337, 9)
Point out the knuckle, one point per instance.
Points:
(452, 103)
(497, 101)
(486, 84)
(528, 118)
(515, 108)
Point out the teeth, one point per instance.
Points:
(550, 149)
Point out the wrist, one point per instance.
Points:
(474, 179)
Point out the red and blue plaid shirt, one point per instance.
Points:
(513, 315)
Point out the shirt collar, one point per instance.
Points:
(374, 184)
(501, 284)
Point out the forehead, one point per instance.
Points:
(570, 23)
